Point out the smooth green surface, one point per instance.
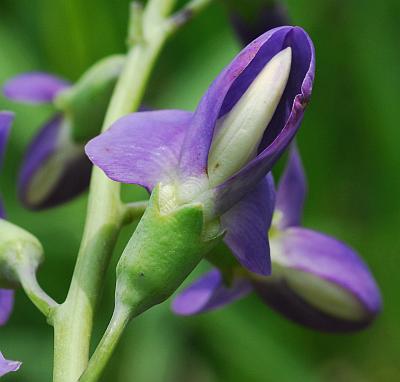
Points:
(349, 142)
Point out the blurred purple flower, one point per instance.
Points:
(7, 366)
(6, 295)
(54, 168)
(316, 281)
(177, 149)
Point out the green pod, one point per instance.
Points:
(162, 252)
(86, 102)
(19, 251)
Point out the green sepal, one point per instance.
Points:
(85, 103)
(162, 252)
(19, 250)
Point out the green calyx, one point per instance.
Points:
(86, 102)
(162, 252)
(19, 251)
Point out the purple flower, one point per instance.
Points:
(55, 168)
(7, 366)
(316, 281)
(219, 155)
(6, 295)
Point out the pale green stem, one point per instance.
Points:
(30, 285)
(107, 345)
(73, 320)
(134, 211)
(190, 10)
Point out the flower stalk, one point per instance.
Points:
(106, 214)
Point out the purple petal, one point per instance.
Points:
(292, 191)
(288, 115)
(141, 148)
(7, 366)
(222, 95)
(306, 252)
(34, 87)
(247, 224)
(209, 293)
(6, 304)
(6, 119)
(54, 170)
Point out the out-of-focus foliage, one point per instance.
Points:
(349, 141)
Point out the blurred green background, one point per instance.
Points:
(350, 145)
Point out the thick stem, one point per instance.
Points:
(73, 320)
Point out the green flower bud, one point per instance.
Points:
(86, 102)
(162, 252)
(20, 252)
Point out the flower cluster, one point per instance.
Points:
(316, 280)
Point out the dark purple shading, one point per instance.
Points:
(141, 148)
(76, 173)
(279, 296)
(34, 87)
(6, 305)
(271, 15)
(292, 191)
(6, 366)
(209, 293)
(246, 225)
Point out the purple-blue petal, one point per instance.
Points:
(142, 148)
(7, 366)
(330, 260)
(222, 95)
(6, 304)
(6, 119)
(292, 190)
(75, 173)
(288, 115)
(34, 87)
(247, 224)
(208, 293)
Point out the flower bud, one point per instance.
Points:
(54, 169)
(20, 251)
(85, 103)
(239, 132)
(162, 252)
(319, 282)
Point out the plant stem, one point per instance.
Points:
(73, 320)
(190, 10)
(35, 293)
(108, 343)
(134, 211)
